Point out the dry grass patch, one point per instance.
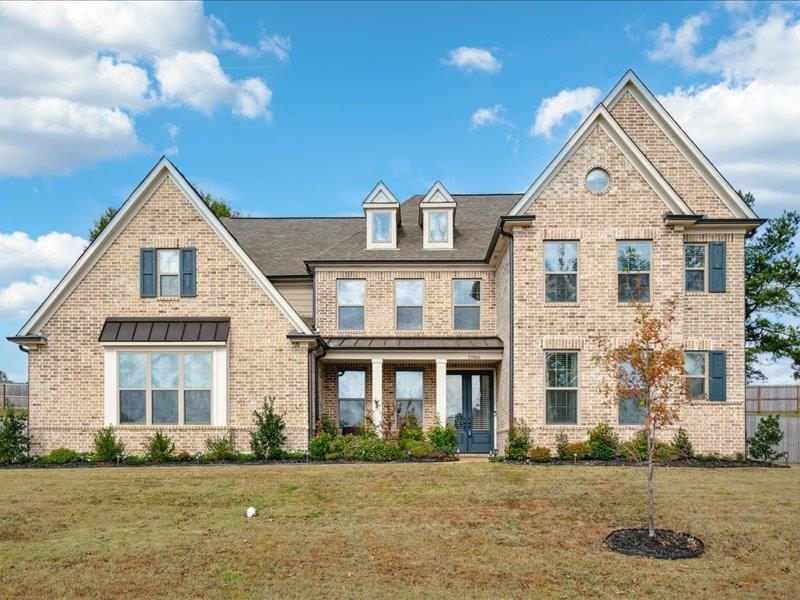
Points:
(393, 530)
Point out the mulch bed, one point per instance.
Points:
(621, 462)
(665, 544)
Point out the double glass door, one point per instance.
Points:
(470, 409)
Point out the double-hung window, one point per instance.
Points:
(352, 398)
(167, 272)
(561, 271)
(631, 411)
(165, 388)
(633, 270)
(694, 258)
(466, 304)
(350, 295)
(561, 392)
(409, 394)
(696, 367)
(408, 294)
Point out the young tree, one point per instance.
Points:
(647, 370)
(772, 293)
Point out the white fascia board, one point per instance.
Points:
(438, 188)
(381, 196)
(704, 167)
(600, 117)
(130, 207)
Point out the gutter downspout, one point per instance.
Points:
(510, 237)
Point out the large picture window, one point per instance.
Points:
(466, 304)
(352, 398)
(561, 387)
(409, 391)
(408, 295)
(561, 271)
(633, 271)
(165, 388)
(350, 295)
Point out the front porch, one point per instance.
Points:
(455, 385)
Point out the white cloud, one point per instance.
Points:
(73, 75)
(54, 251)
(277, 45)
(746, 120)
(488, 116)
(20, 298)
(678, 45)
(554, 110)
(473, 59)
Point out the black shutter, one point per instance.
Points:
(188, 272)
(716, 386)
(147, 272)
(716, 267)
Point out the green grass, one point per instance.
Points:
(454, 530)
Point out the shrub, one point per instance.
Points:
(320, 446)
(184, 456)
(370, 449)
(367, 429)
(603, 442)
(578, 451)
(14, 443)
(519, 441)
(420, 449)
(682, 444)
(409, 430)
(132, 459)
(539, 454)
(664, 453)
(160, 448)
(444, 438)
(768, 435)
(106, 445)
(219, 448)
(562, 441)
(62, 456)
(326, 424)
(268, 439)
(290, 455)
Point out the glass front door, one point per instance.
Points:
(470, 409)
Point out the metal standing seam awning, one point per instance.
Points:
(409, 348)
(168, 330)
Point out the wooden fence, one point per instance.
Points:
(782, 400)
(16, 393)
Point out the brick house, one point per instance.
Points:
(473, 309)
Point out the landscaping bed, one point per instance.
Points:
(709, 462)
(664, 544)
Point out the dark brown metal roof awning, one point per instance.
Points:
(191, 329)
(394, 343)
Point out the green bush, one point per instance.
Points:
(268, 439)
(519, 441)
(132, 459)
(578, 451)
(14, 443)
(293, 455)
(62, 456)
(409, 430)
(366, 429)
(420, 449)
(219, 448)
(444, 438)
(562, 441)
(539, 454)
(327, 425)
(682, 444)
(184, 456)
(373, 449)
(106, 445)
(664, 452)
(768, 435)
(320, 445)
(603, 442)
(160, 448)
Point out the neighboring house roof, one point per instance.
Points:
(202, 329)
(420, 343)
(282, 246)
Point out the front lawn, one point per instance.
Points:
(469, 529)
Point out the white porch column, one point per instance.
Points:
(441, 390)
(377, 393)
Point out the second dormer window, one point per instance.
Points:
(438, 226)
(381, 227)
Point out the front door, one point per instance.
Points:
(470, 410)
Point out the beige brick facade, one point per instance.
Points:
(66, 375)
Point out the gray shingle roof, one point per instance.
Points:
(279, 246)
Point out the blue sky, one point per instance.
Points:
(299, 109)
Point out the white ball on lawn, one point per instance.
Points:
(251, 512)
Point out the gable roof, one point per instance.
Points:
(380, 195)
(704, 167)
(600, 117)
(131, 206)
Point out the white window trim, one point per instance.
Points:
(704, 269)
(421, 399)
(706, 375)
(420, 306)
(575, 272)
(478, 305)
(340, 305)
(219, 381)
(392, 243)
(159, 273)
(576, 388)
(427, 244)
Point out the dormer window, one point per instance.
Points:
(437, 217)
(382, 211)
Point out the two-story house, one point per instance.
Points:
(473, 309)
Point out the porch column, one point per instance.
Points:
(441, 390)
(377, 393)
